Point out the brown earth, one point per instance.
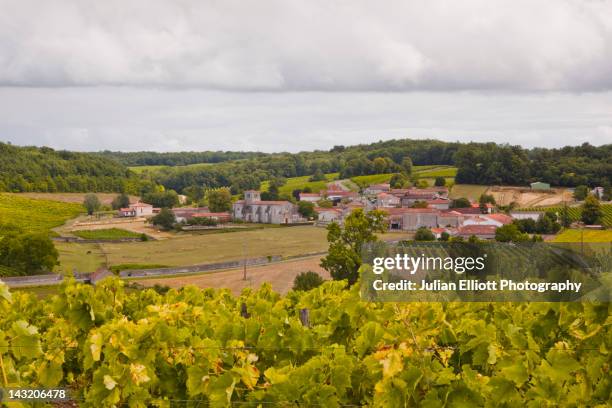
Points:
(525, 197)
(280, 275)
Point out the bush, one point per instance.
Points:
(307, 280)
(424, 234)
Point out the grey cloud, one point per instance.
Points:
(291, 45)
(126, 118)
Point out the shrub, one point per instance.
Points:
(307, 280)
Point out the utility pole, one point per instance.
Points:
(244, 262)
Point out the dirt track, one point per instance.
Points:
(280, 275)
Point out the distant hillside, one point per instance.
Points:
(175, 158)
(43, 169)
(477, 163)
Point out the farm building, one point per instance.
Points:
(538, 185)
(137, 210)
(479, 231)
(183, 214)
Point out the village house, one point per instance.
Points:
(438, 203)
(310, 197)
(329, 215)
(137, 210)
(496, 220)
(340, 195)
(218, 217)
(252, 209)
(184, 214)
(387, 200)
(479, 231)
(376, 189)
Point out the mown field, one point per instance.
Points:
(471, 191)
(197, 249)
(76, 198)
(111, 233)
(35, 215)
(576, 235)
(294, 183)
(575, 212)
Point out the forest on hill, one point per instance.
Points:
(24, 169)
(47, 170)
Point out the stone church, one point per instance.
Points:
(252, 209)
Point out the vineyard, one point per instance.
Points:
(324, 348)
(33, 215)
(575, 212)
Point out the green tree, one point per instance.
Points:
(460, 203)
(399, 180)
(162, 199)
(307, 280)
(440, 181)
(219, 199)
(345, 243)
(306, 209)
(121, 201)
(91, 203)
(325, 203)
(510, 233)
(591, 210)
(29, 253)
(445, 236)
(564, 217)
(424, 234)
(581, 192)
(407, 165)
(380, 165)
(165, 219)
(317, 176)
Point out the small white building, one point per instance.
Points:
(386, 200)
(137, 210)
(310, 197)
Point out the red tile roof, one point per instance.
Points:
(477, 230)
(503, 218)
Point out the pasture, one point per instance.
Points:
(80, 257)
(197, 249)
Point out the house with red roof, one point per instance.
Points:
(137, 210)
(479, 231)
(387, 200)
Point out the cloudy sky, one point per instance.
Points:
(293, 75)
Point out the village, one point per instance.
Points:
(406, 210)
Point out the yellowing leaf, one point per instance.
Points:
(139, 374)
(109, 383)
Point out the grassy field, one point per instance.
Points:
(294, 183)
(471, 191)
(372, 179)
(82, 257)
(112, 233)
(34, 215)
(197, 249)
(428, 173)
(575, 235)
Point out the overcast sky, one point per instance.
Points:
(296, 75)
